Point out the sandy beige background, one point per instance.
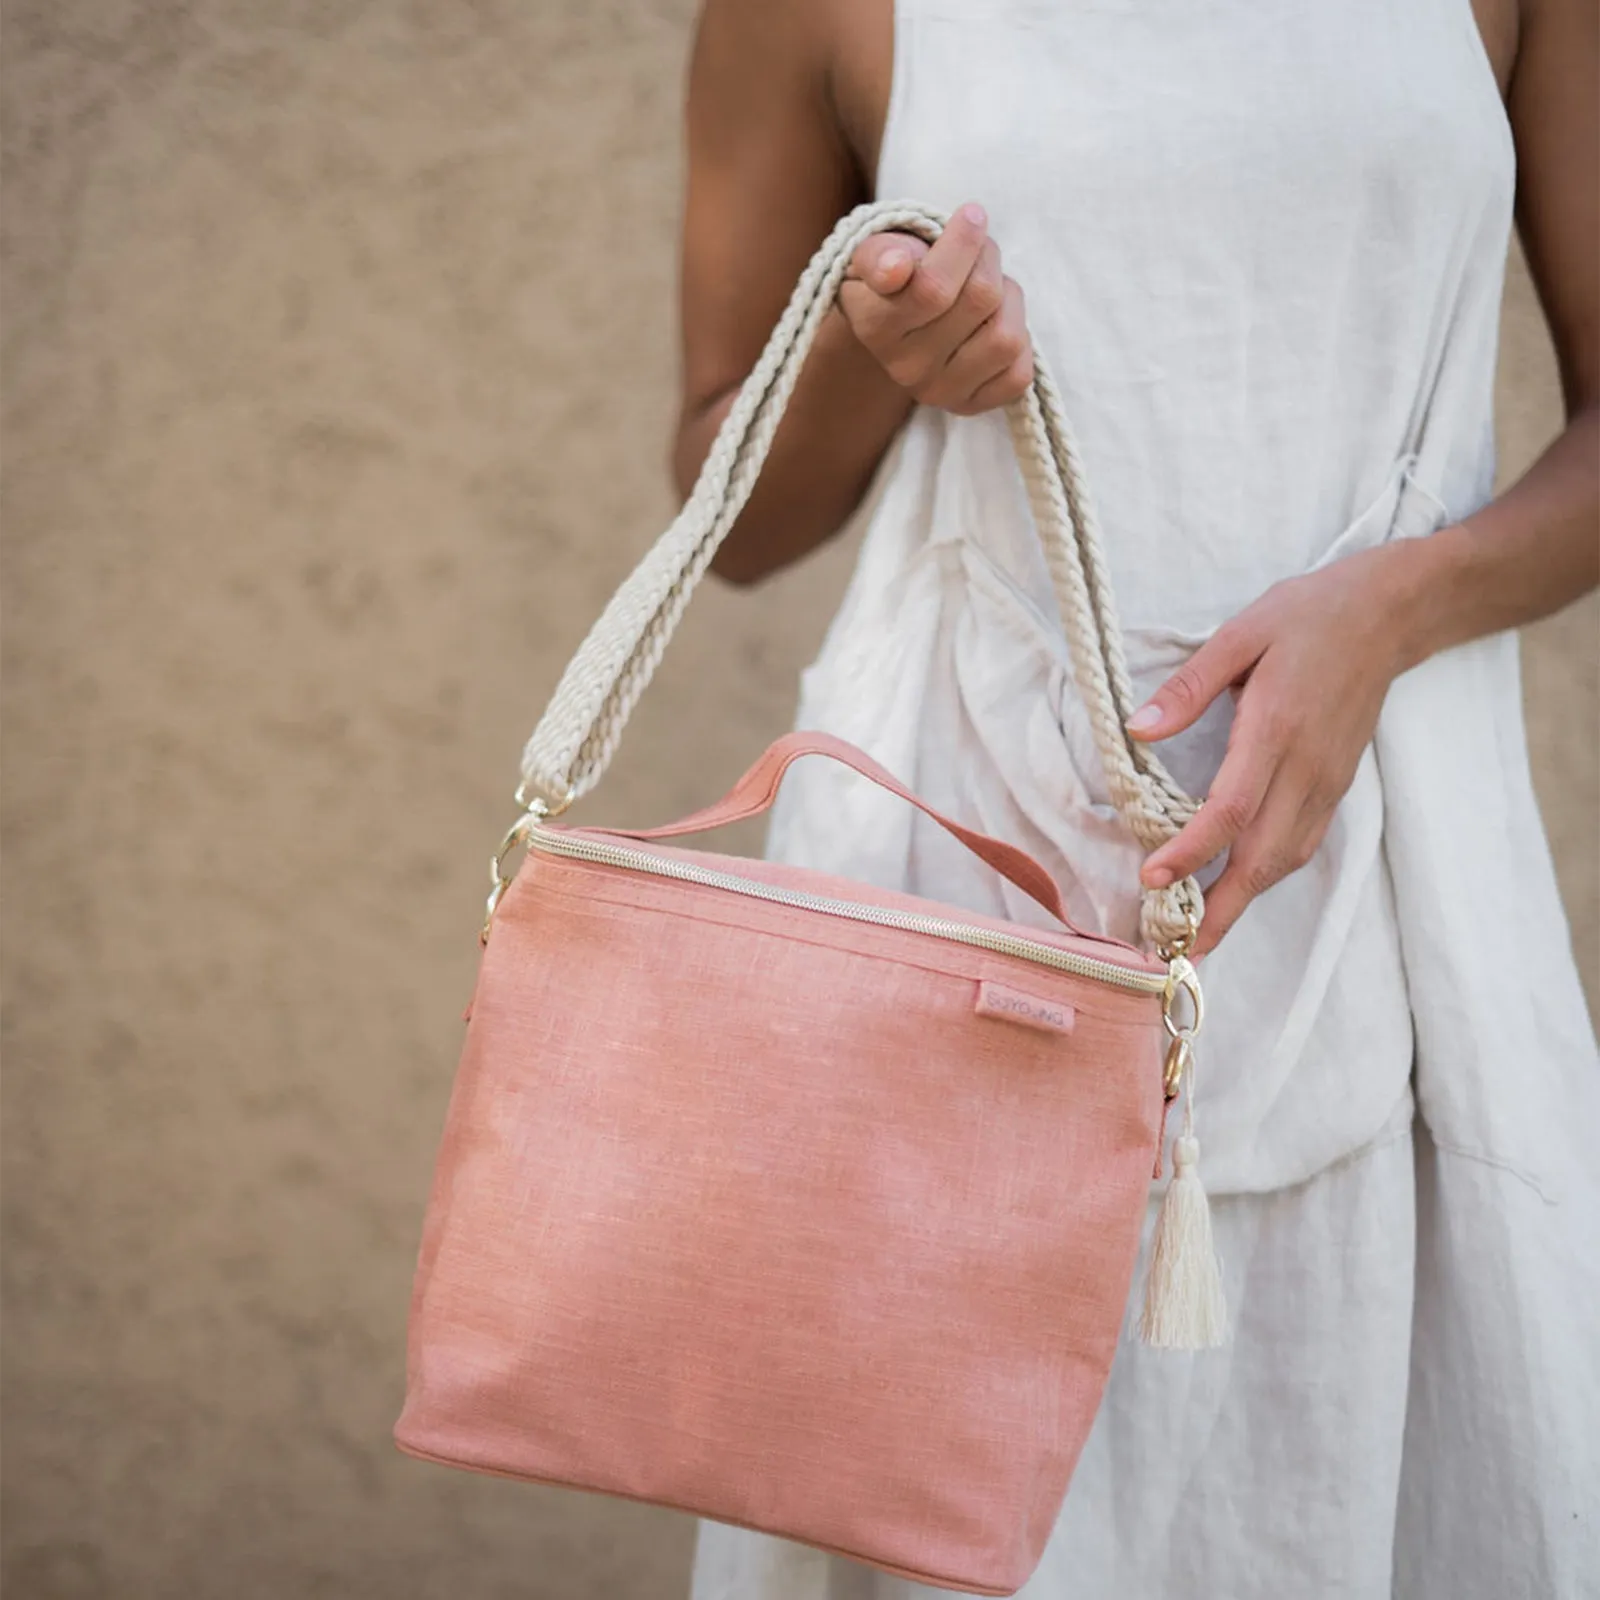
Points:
(339, 371)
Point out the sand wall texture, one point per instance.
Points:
(339, 373)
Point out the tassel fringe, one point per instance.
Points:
(1184, 1306)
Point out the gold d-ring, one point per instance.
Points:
(1185, 942)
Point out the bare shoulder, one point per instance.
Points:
(823, 67)
(785, 111)
(863, 72)
(1554, 106)
(1509, 27)
(1499, 24)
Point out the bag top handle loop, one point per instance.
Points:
(755, 792)
(579, 732)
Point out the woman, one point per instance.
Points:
(1263, 249)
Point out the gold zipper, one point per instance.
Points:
(560, 842)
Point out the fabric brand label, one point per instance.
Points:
(1011, 1005)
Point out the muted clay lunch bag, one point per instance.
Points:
(786, 1200)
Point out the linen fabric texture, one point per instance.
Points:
(760, 1212)
(1264, 255)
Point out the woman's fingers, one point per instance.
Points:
(893, 302)
(1003, 351)
(1232, 806)
(1221, 662)
(943, 320)
(983, 352)
(1229, 810)
(942, 274)
(1284, 836)
(1315, 663)
(930, 349)
(884, 263)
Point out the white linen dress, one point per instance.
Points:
(1263, 248)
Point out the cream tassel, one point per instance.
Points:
(1184, 1307)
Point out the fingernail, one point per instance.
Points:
(975, 214)
(1145, 717)
(1157, 878)
(890, 262)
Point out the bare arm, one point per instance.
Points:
(1537, 547)
(1314, 657)
(770, 171)
(786, 101)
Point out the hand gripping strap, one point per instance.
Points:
(582, 726)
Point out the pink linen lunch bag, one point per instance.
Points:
(785, 1200)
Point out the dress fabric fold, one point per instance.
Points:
(1264, 260)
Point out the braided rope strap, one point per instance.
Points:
(581, 728)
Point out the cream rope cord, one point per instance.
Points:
(582, 726)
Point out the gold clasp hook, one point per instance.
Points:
(536, 808)
(1182, 979)
(499, 878)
